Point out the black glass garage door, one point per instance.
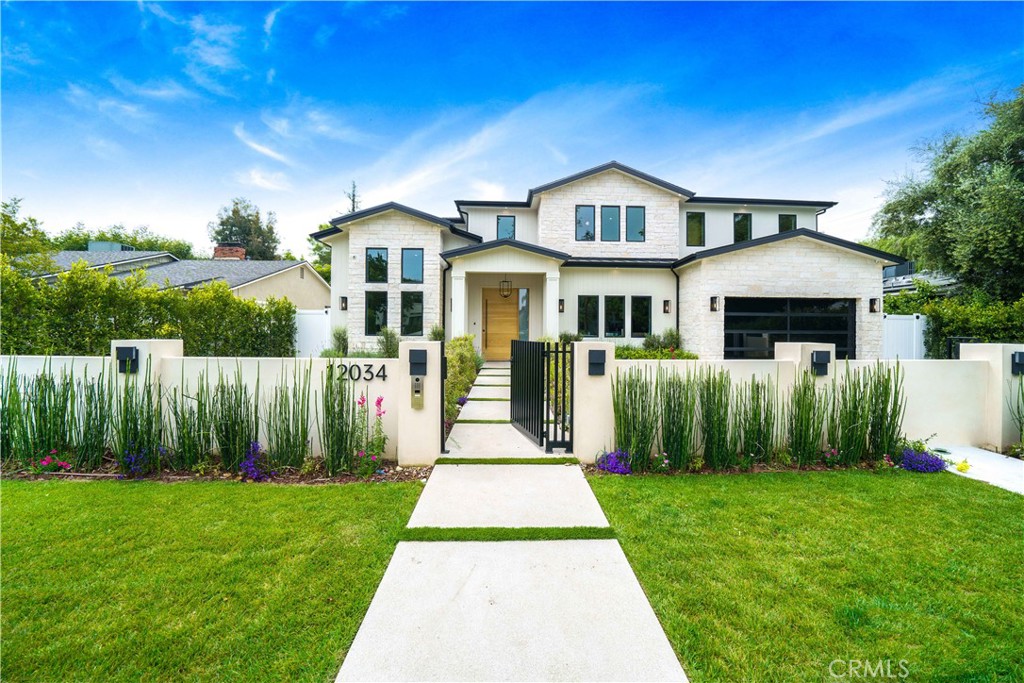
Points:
(753, 326)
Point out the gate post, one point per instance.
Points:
(419, 428)
(593, 421)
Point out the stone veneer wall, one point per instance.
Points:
(557, 217)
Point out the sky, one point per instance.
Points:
(158, 114)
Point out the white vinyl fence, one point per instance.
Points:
(903, 336)
(312, 332)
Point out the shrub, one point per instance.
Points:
(336, 420)
(806, 421)
(339, 340)
(191, 424)
(462, 372)
(922, 461)
(636, 416)
(287, 421)
(669, 339)
(677, 408)
(570, 337)
(236, 419)
(757, 417)
(715, 390)
(436, 333)
(625, 352)
(387, 343)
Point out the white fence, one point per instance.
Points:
(903, 336)
(312, 332)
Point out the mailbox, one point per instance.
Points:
(1017, 363)
(418, 362)
(819, 362)
(595, 362)
(127, 359)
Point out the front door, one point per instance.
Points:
(501, 324)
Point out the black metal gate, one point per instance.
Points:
(541, 392)
(444, 422)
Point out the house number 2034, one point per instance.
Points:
(364, 371)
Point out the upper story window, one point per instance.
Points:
(506, 227)
(787, 222)
(742, 227)
(610, 223)
(412, 266)
(584, 223)
(636, 224)
(412, 314)
(695, 228)
(376, 264)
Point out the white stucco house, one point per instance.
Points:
(610, 253)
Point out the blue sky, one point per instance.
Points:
(160, 113)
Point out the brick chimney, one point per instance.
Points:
(229, 251)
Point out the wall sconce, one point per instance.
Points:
(343, 303)
(561, 305)
(874, 305)
(666, 306)
(714, 304)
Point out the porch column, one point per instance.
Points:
(551, 292)
(457, 321)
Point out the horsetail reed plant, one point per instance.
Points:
(49, 417)
(336, 420)
(636, 415)
(287, 421)
(677, 403)
(191, 424)
(888, 406)
(849, 419)
(806, 420)
(715, 392)
(236, 418)
(96, 413)
(12, 416)
(137, 425)
(757, 421)
(1016, 404)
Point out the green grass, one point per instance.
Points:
(506, 400)
(491, 533)
(771, 577)
(554, 460)
(130, 581)
(460, 421)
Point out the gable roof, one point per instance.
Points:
(496, 244)
(791, 234)
(65, 259)
(336, 223)
(194, 272)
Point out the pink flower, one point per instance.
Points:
(362, 454)
(64, 465)
(373, 457)
(380, 413)
(53, 452)
(362, 400)
(380, 400)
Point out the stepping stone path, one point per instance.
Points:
(508, 610)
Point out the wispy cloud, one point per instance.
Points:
(104, 149)
(266, 180)
(323, 35)
(18, 54)
(244, 138)
(268, 26)
(121, 112)
(211, 53)
(167, 90)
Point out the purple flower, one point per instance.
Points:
(462, 400)
(616, 462)
(922, 462)
(254, 466)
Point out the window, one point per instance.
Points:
(695, 228)
(376, 312)
(412, 266)
(412, 314)
(615, 316)
(787, 222)
(586, 316)
(376, 265)
(754, 326)
(524, 314)
(640, 316)
(610, 224)
(636, 227)
(741, 227)
(584, 223)
(506, 227)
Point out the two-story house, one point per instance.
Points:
(611, 253)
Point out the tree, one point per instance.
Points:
(241, 222)
(25, 244)
(321, 255)
(142, 238)
(965, 215)
(353, 198)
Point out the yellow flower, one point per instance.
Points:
(963, 466)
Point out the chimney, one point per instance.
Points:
(229, 251)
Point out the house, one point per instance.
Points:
(295, 280)
(610, 253)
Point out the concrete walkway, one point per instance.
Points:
(563, 610)
(993, 468)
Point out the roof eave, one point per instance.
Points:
(890, 259)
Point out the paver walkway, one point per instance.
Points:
(508, 610)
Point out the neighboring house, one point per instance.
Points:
(901, 278)
(296, 281)
(610, 253)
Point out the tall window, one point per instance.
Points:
(506, 227)
(615, 316)
(640, 316)
(787, 222)
(376, 265)
(412, 314)
(584, 223)
(412, 266)
(586, 316)
(741, 227)
(376, 312)
(610, 224)
(695, 228)
(636, 224)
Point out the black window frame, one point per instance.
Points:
(750, 227)
(422, 266)
(366, 312)
(597, 316)
(387, 264)
(401, 313)
(618, 223)
(781, 319)
(593, 221)
(787, 215)
(703, 228)
(633, 333)
(497, 227)
(607, 334)
(643, 229)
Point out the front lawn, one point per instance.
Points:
(129, 581)
(773, 577)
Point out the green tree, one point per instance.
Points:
(142, 238)
(965, 215)
(241, 222)
(21, 311)
(320, 257)
(23, 241)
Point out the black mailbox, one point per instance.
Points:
(127, 359)
(595, 362)
(1017, 363)
(418, 362)
(820, 361)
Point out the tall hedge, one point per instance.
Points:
(85, 309)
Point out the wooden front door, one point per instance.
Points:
(501, 324)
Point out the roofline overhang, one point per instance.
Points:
(108, 263)
(363, 214)
(559, 256)
(890, 259)
(743, 201)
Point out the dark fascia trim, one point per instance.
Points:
(791, 234)
(740, 201)
(512, 204)
(598, 262)
(336, 223)
(610, 166)
(100, 266)
(495, 244)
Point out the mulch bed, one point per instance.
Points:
(391, 473)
